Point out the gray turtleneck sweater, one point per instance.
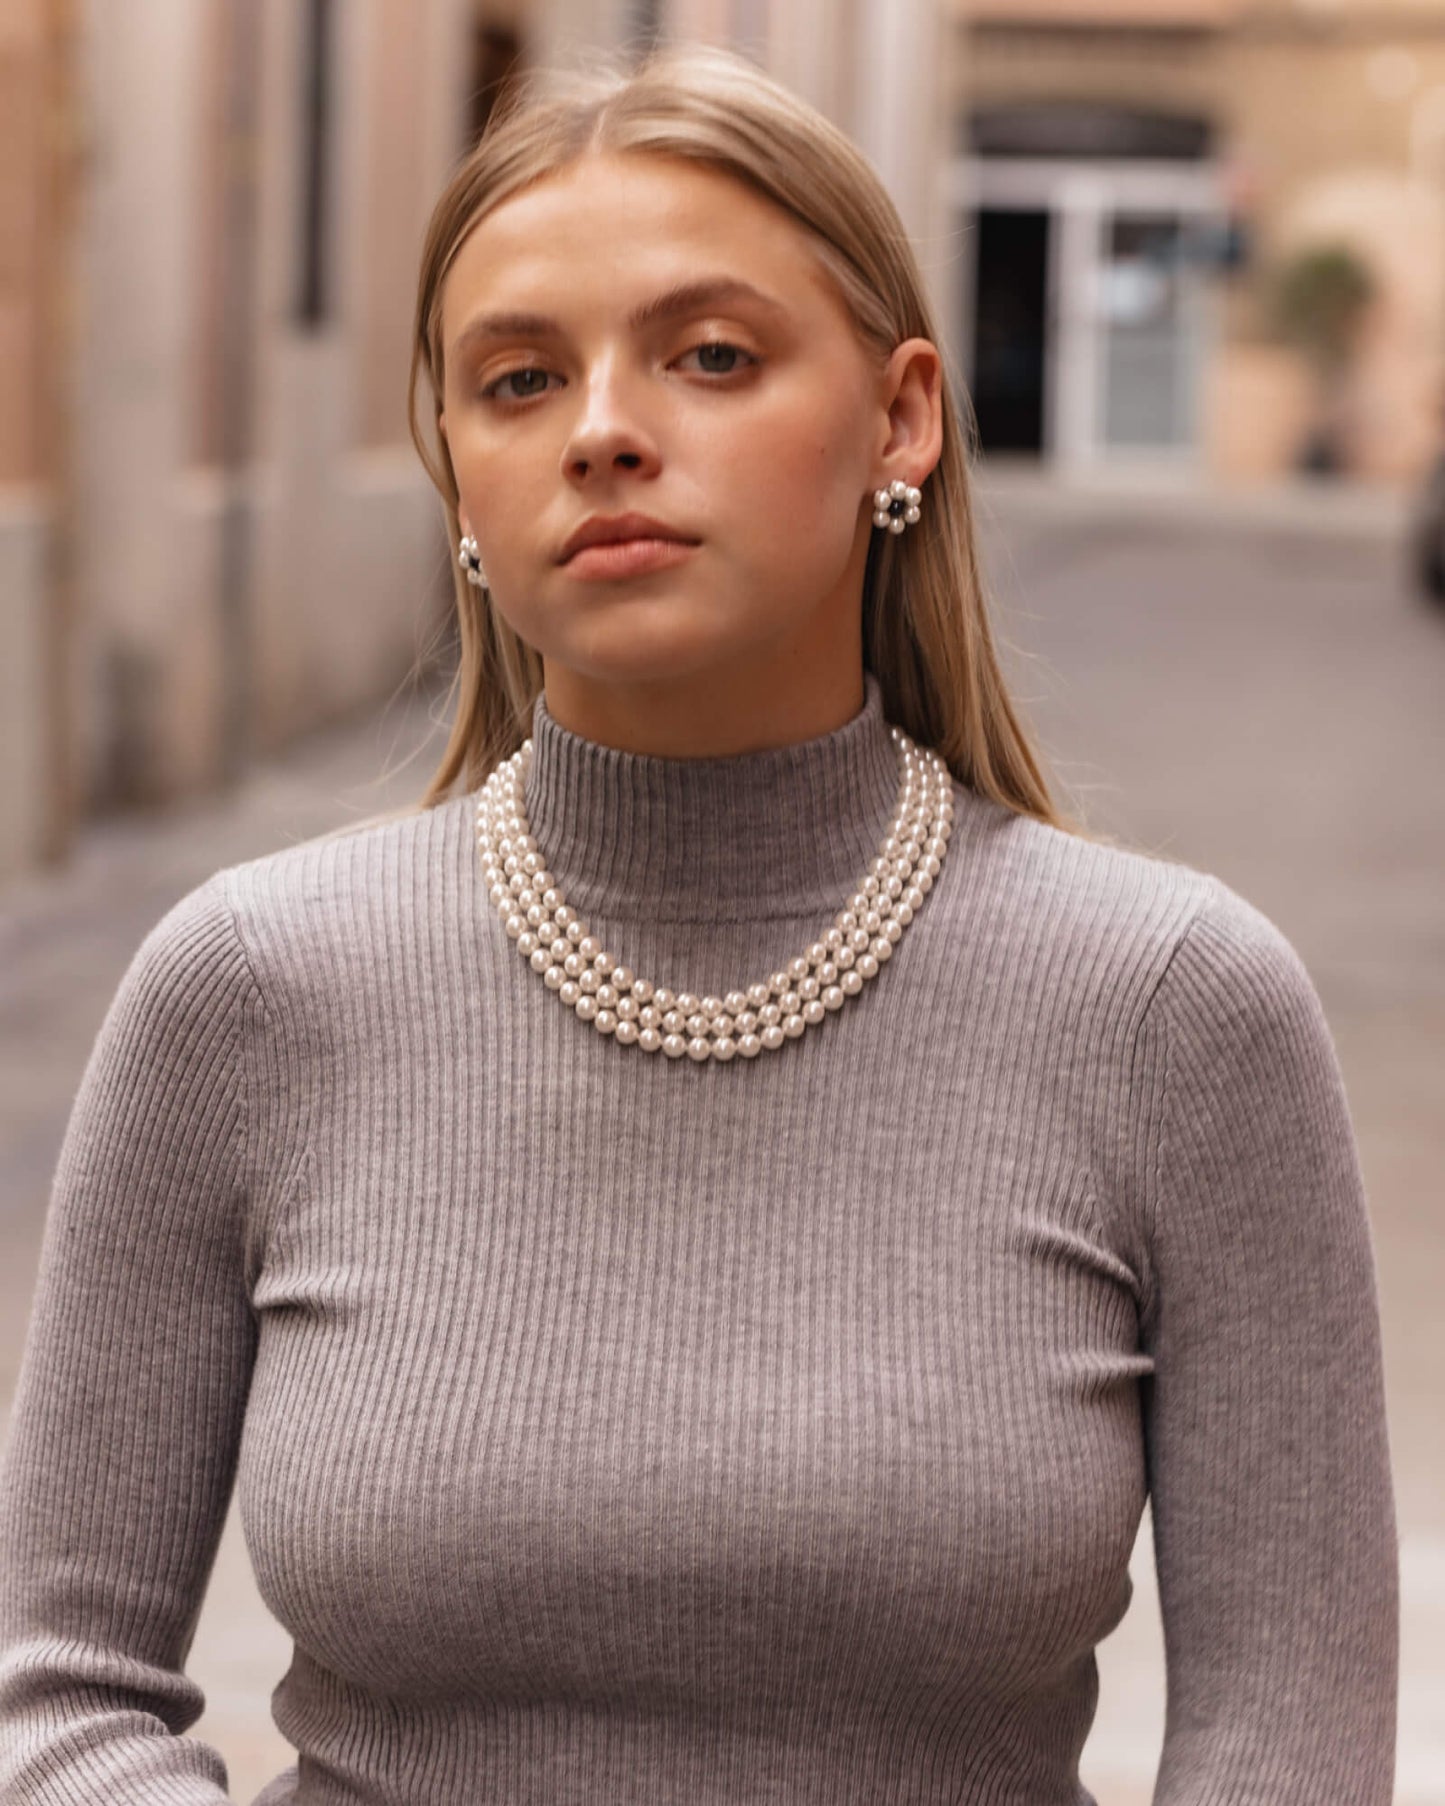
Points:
(614, 1429)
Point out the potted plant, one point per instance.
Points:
(1319, 298)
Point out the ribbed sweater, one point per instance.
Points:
(615, 1430)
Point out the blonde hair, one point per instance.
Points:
(926, 634)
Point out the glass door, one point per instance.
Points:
(1149, 326)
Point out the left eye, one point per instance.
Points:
(521, 377)
(718, 357)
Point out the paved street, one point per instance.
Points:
(1252, 690)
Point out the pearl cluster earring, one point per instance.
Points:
(470, 559)
(897, 506)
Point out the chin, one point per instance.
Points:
(657, 640)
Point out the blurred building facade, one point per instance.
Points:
(1137, 174)
(214, 530)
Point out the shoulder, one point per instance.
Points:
(354, 892)
(1236, 1005)
(263, 931)
(1063, 913)
(1168, 940)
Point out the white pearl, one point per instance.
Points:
(571, 961)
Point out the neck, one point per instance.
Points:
(779, 832)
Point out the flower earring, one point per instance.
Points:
(897, 506)
(470, 559)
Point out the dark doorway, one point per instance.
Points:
(1010, 329)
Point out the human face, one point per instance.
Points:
(747, 418)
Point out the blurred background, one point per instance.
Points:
(1188, 259)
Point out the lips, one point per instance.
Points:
(606, 530)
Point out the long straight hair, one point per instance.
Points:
(926, 633)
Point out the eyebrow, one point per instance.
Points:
(684, 298)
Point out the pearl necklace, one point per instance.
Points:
(572, 962)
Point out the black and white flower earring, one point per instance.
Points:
(897, 506)
(470, 559)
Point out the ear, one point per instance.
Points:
(912, 398)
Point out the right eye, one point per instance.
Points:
(496, 390)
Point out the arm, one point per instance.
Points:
(1265, 1436)
(122, 1447)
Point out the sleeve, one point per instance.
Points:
(1264, 1415)
(121, 1451)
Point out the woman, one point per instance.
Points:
(608, 1427)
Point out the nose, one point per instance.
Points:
(607, 431)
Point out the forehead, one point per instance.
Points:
(612, 227)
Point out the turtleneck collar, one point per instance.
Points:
(784, 832)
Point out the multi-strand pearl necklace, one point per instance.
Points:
(556, 943)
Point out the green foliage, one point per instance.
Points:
(1318, 299)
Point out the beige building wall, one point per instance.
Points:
(38, 152)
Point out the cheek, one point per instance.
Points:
(791, 477)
